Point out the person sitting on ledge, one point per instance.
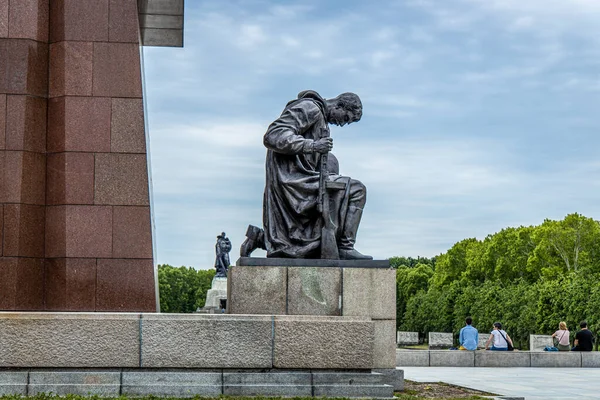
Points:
(584, 339)
(500, 338)
(469, 336)
(562, 337)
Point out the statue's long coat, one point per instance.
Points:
(291, 220)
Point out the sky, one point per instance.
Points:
(477, 115)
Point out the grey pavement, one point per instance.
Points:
(531, 383)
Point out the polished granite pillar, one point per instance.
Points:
(75, 221)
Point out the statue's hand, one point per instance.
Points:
(323, 145)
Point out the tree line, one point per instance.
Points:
(527, 278)
(183, 289)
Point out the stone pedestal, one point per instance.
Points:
(440, 340)
(539, 342)
(321, 288)
(216, 294)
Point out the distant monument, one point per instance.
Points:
(216, 297)
(222, 249)
(309, 210)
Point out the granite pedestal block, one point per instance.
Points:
(538, 342)
(341, 288)
(324, 342)
(215, 294)
(407, 338)
(69, 340)
(206, 341)
(257, 290)
(314, 291)
(440, 340)
(483, 338)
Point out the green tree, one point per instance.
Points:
(183, 289)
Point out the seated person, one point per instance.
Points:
(500, 338)
(562, 336)
(469, 336)
(584, 340)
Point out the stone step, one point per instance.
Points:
(101, 383)
(267, 378)
(347, 378)
(175, 384)
(12, 383)
(354, 391)
(172, 390)
(289, 390)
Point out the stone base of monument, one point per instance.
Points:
(191, 354)
(188, 383)
(216, 297)
(318, 292)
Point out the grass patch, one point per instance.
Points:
(440, 390)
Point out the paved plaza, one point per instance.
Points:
(531, 383)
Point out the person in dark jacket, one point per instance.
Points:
(584, 340)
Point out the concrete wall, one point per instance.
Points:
(458, 358)
(110, 340)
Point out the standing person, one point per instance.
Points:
(469, 336)
(562, 334)
(500, 338)
(583, 339)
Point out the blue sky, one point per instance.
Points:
(478, 115)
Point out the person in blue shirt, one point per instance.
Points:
(469, 336)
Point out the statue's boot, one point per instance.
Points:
(255, 239)
(346, 245)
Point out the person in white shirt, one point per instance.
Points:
(500, 339)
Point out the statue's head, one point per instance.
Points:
(344, 109)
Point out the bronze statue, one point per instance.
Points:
(309, 210)
(222, 248)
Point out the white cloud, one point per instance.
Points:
(469, 110)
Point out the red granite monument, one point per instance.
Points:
(75, 219)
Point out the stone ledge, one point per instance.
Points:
(104, 340)
(590, 359)
(112, 340)
(551, 359)
(190, 383)
(327, 338)
(483, 358)
(456, 358)
(412, 358)
(303, 262)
